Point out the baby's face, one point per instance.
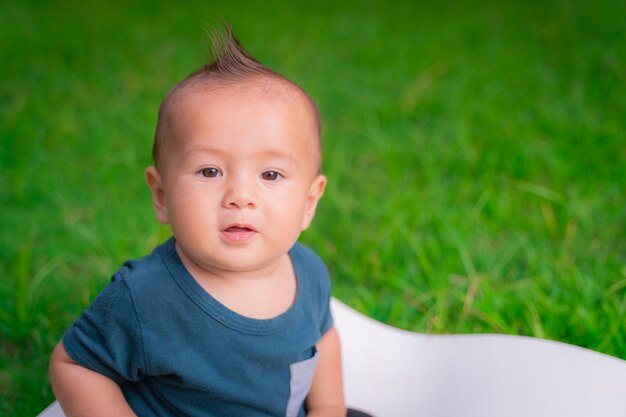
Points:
(239, 181)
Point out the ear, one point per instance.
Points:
(316, 191)
(155, 182)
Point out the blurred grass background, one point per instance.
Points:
(476, 153)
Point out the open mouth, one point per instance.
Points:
(239, 233)
(238, 229)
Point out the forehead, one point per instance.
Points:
(251, 117)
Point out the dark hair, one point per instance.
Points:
(230, 62)
(230, 59)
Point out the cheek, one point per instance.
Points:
(288, 211)
(188, 208)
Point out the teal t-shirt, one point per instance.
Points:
(175, 350)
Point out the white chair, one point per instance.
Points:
(394, 373)
(390, 372)
(53, 410)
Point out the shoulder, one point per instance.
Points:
(133, 279)
(307, 258)
(314, 285)
(145, 271)
(311, 270)
(143, 284)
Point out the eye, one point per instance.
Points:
(210, 172)
(271, 176)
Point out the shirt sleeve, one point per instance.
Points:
(107, 337)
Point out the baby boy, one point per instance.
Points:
(230, 317)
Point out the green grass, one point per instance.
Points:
(476, 157)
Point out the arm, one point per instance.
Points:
(326, 395)
(82, 392)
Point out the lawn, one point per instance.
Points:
(476, 155)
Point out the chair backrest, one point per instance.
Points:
(394, 373)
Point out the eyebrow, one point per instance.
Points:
(203, 149)
(280, 155)
(272, 153)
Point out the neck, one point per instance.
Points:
(262, 293)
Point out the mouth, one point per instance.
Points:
(239, 233)
(238, 228)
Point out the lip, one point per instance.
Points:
(239, 233)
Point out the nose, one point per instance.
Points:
(240, 193)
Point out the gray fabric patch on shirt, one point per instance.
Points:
(301, 379)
